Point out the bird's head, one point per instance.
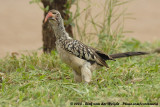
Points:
(53, 17)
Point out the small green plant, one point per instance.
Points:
(106, 27)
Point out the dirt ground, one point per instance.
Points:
(20, 24)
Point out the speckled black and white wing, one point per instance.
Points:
(82, 51)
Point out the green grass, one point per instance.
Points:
(44, 80)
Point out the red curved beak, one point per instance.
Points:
(49, 15)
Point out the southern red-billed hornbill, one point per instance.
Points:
(81, 58)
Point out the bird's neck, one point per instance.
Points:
(60, 31)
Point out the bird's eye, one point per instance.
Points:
(54, 13)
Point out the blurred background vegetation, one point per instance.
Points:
(105, 27)
(22, 31)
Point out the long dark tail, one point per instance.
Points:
(127, 54)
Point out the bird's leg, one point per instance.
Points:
(77, 77)
(86, 72)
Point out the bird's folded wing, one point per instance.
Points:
(82, 51)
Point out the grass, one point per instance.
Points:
(34, 81)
